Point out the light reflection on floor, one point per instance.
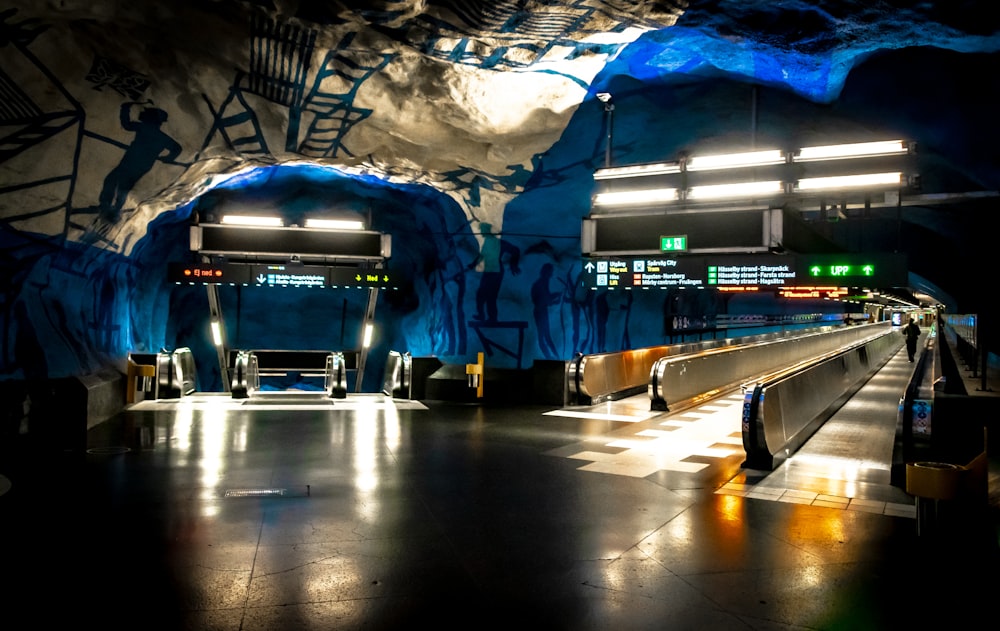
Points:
(274, 401)
(682, 442)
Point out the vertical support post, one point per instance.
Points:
(982, 331)
(609, 142)
(899, 221)
(215, 320)
(609, 120)
(368, 321)
(475, 375)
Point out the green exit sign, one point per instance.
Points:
(677, 243)
(840, 270)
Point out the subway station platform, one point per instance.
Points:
(372, 513)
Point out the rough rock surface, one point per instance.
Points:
(122, 119)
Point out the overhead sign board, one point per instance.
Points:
(717, 231)
(727, 271)
(248, 243)
(280, 275)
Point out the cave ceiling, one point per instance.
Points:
(468, 99)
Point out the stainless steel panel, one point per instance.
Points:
(794, 404)
(681, 378)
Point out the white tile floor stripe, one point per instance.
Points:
(649, 450)
(813, 499)
(600, 416)
(703, 432)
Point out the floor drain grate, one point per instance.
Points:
(266, 492)
(108, 451)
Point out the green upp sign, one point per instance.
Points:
(677, 243)
(868, 269)
(841, 270)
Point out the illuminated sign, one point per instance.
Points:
(886, 270)
(747, 272)
(841, 270)
(812, 292)
(347, 277)
(751, 275)
(650, 272)
(677, 243)
(204, 273)
(289, 276)
(280, 275)
(211, 273)
(738, 289)
(690, 271)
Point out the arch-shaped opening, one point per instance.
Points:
(430, 235)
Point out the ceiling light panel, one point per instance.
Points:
(735, 160)
(853, 150)
(635, 198)
(850, 181)
(742, 189)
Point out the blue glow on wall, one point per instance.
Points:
(71, 306)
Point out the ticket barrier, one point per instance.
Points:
(249, 366)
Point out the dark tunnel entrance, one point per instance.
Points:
(430, 236)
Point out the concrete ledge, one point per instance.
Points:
(105, 394)
(58, 412)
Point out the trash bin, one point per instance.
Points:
(936, 487)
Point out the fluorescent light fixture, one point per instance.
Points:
(250, 220)
(369, 331)
(216, 332)
(638, 170)
(335, 224)
(734, 160)
(850, 181)
(736, 190)
(853, 150)
(628, 198)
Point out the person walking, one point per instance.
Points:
(912, 332)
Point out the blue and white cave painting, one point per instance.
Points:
(474, 149)
(150, 143)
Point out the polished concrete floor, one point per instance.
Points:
(373, 513)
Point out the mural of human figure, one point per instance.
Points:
(147, 147)
(542, 298)
(493, 253)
